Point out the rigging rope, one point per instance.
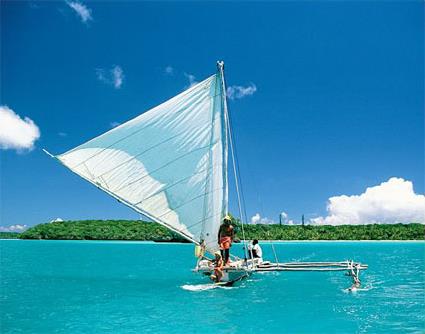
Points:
(237, 191)
(232, 150)
(238, 179)
(243, 206)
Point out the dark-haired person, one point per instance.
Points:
(255, 251)
(226, 234)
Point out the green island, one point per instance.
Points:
(148, 231)
(9, 235)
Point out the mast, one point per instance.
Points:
(220, 65)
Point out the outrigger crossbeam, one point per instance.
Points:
(352, 268)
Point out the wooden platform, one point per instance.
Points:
(310, 266)
(242, 267)
(351, 268)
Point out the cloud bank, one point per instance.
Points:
(17, 133)
(393, 201)
(239, 92)
(83, 12)
(257, 219)
(13, 228)
(114, 76)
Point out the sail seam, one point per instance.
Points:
(139, 155)
(163, 166)
(189, 201)
(200, 221)
(171, 185)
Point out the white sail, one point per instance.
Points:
(169, 163)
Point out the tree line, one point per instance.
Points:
(141, 230)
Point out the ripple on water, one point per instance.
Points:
(139, 288)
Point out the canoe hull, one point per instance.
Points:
(232, 273)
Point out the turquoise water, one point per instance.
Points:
(135, 287)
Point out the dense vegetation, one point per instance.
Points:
(101, 230)
(343, 232)
(139, 230)
(9, 235)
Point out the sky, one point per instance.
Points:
(326, 98)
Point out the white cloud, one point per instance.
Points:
(117, 76)
(114, 76)
(283, 217)
(191, 78)
(114, 124)
(257, 219)
(393, 201)
(13, 228)
(57, 220)
(238, 92)
(83, 12)
(169, 70)
(17, 133)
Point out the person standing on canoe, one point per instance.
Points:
(226, 234)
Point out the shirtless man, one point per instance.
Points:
(226, 234)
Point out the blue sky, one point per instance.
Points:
(338, 103)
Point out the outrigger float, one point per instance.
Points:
(241, 269)
(170, 164)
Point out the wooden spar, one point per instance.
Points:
(302, 269)
(352, 268)
(311, 266)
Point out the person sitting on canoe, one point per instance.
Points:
(226, 233)
(218, 268)
(255, 251)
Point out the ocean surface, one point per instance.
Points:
(140, 287)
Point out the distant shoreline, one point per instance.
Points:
(127, 230)
(186, 243)
(295, 241)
